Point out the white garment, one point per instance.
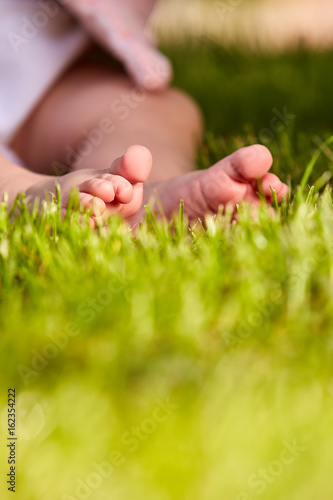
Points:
(38, 40)
(120, 27)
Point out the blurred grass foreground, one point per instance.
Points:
(184, 364)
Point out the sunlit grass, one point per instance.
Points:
(178, 363)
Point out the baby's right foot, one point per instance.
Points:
(231, 181)
(100, 191)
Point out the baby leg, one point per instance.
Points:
(93, 115)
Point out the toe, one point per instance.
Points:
(284, 192)
(218, 188)
(132, 208)
(135, 165)
(248, 163)
(92, 202)
(271, 181)
(102, 188)
(123, 189)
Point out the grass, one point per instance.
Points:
(183, 364)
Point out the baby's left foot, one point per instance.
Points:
(104, 192)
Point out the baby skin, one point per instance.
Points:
(159, 134)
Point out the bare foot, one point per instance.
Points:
(103, 192)
(230, 181)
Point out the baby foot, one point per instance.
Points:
(231, 181)
(104, 192)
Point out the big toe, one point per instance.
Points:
(135, 165)
(249, 163)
